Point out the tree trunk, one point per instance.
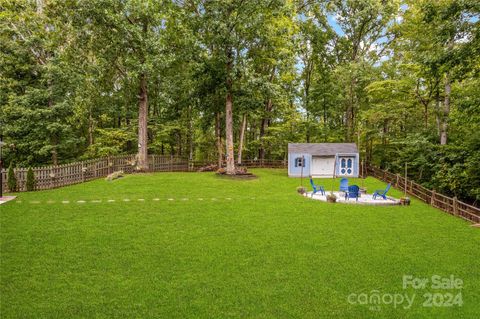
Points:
(384, 132)
(446, 111)
(425, 115)
(242, 135)
(265, 120)
(324, 120)
(179, 144)
(190, 134)
(261, 150)
(229, 114)
(54, 150)
(307, 133)
(263, 128)
(308, 76)
(437, 110)
(384, 143)
(218, 134)
(350, 112)
(142, 159)
(53, 137)
(54, 157)
(54, 141)
(91, 129)
(229, 133)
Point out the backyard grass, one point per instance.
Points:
(193, 245)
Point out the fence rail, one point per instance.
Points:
(450, 205)
(49, 177)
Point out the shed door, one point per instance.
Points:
(346, 165)
(322, 166)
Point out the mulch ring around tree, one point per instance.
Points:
(240, 173)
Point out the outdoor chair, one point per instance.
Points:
(382, 192)
(317, 188)
(344, 185)
(352, 192)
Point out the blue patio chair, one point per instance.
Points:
(344, 185)
(317, 188)
(382, 192)
(352, 192)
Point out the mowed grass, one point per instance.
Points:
(224, 249)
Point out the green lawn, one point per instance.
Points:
(249, 249)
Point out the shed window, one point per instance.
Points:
(299, 162)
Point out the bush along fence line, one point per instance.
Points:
(54, 176)
(450, 205)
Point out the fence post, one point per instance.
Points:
(153, 163)
(396, 180)
(432, 199)
(455, 207)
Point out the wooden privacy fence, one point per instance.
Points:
(49, 177)
(62, 175)
(445, 203)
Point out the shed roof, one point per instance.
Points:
(322, 149)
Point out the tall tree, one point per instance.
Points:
(36, 82)
(441, 50)
(129, 35)
(363, 24)
(229, 30)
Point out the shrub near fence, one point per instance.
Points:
(445, 203)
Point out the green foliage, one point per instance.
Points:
(30, 182)
(11, 179)
(449, 169)
(379, 76)
(110, 141)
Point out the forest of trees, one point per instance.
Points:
(226, 80)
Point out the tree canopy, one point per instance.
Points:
(226, 80)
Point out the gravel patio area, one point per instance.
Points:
(364, 199)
